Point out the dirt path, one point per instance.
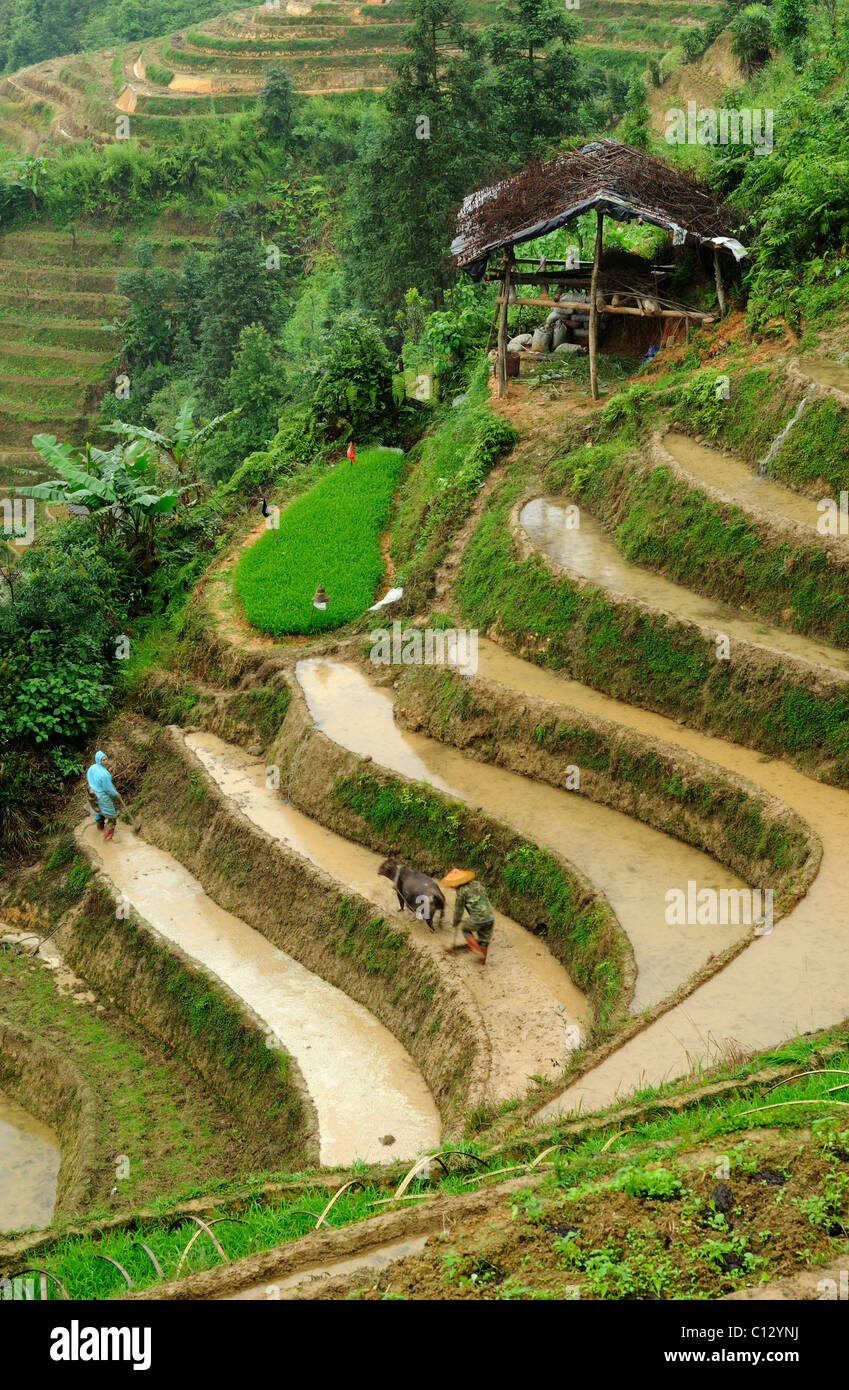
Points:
(364, 1085)
(630, 862)
(524, 1005)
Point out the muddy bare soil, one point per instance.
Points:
(712, 1237)
(790, 981)
(591, 553)
(524, 1006)
(308, 915)
(737, 482)
(611, 849)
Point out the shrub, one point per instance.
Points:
(353, 379)
(751, 37)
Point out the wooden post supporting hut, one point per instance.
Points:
(593, 335)
(615, 181)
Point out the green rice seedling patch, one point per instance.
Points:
(329, 536)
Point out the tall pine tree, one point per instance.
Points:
(417, 161)
(539, 91)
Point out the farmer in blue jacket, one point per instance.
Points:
(102, 795)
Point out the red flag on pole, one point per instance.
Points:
(351, 454)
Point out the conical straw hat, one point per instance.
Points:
(455, 878)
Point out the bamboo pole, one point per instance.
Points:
(502, 325)
(720, 288)
(593, 337)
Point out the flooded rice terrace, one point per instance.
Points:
(363, 1083)
(29, 1168)
(631, 863)
(587, 550)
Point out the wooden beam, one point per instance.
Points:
(495, 313)
(537, 277)
(593, 343)
(583, 305)
(504, 300)
(720, 288)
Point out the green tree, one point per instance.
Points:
(182, 447)
(417, 162)
(537, 85)
(256, 389)
(147, 331)
(790, 21)
(353, 379)
(117, 487)
(751, 37)
(635, 122)
(277, 105)
(241, 286)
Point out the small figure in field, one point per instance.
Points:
(102, 795)
(422, 895)
(471, 897)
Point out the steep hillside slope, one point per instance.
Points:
(217, 67)
(58, 341)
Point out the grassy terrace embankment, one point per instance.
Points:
(381, 810)
(337, 935)
(761, 400)
(106, 1081)
(761, 840)
(186, 1009)
(784, 1169)
(58, 344)
(215, 67)
(639, 654)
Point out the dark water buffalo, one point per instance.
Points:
(422, 895)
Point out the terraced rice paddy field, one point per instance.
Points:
(58, 342)
(216, 68)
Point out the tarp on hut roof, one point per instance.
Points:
(625, 183)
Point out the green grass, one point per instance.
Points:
(447, 469)
(643, 1163)
(329, 536)
(527, 882)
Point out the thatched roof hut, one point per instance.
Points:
(606, 177)
(621, 182)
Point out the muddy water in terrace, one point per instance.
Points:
(523, 1006)
(29, 1167)
(826, 372)
(794, 981)
(589, 551)
(362, 1082)
(739, 483)
(631, 863)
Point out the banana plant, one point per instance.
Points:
(180, 447)
(116, 486)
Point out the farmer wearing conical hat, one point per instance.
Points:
(471, 898)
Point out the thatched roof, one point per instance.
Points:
(626, 184)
